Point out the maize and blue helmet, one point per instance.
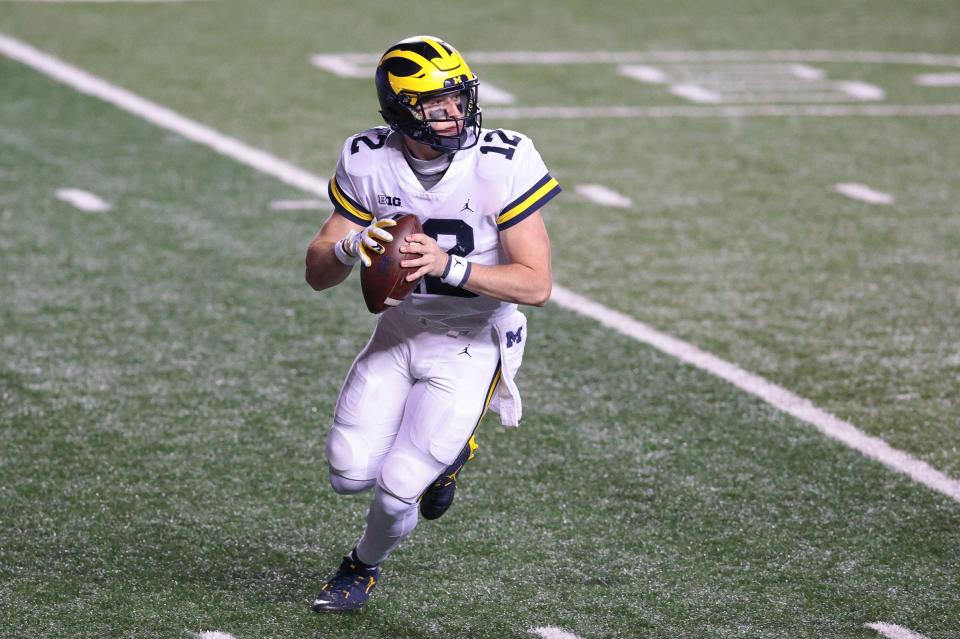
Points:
(417, 69)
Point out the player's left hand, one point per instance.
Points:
(432, 259)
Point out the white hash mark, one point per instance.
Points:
(893, 631)
(807, 72)
(602, 195)
(864, 193)
(83, 200)
(696, 93)
(861, 90)
(552, 632)
(644, 73)
(938, 80)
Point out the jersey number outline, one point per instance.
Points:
(512, 141)
(355, 144)
(463, 232)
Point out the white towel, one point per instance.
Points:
(511, 332)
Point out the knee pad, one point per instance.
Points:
(347, 453)
(346, 486)
(406, 474)
(390, 504)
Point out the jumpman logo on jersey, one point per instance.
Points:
(466, 207)
(466, 352)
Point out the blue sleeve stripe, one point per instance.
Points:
(546, 178)
(532, 207)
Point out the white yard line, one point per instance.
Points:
(728, 85)
(603, 196)
(348, 67)
(747, 96)
(214, 634)
(298, 205)
(781, 398)
(83, 200)
(654, 57)
(864, 193)
(90, 84)
(778, 397)
(738, 70)
(893, 631)
(659, 57)
(728, 111)
(937, 79)
(643, 66)
(552, 632)
(102, 1)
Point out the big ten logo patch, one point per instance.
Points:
(389, 200)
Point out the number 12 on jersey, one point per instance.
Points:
(463, 234)
(512, 141)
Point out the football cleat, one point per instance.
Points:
(438, 497)
(349, 588)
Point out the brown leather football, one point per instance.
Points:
(383, 282)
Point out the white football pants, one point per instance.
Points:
(409, 404)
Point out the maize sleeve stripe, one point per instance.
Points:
(533, 200)
(346, 206)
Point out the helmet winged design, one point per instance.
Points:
(413, 72)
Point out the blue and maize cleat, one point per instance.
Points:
(348, 588)
(439, 495)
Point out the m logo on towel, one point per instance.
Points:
(514, 338)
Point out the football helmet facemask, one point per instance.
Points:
(423, 81)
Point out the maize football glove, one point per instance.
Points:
(356, 245)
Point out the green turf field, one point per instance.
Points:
(167, 378)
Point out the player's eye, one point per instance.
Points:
(435, 111)
(444, 107)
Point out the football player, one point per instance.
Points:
(405, 418)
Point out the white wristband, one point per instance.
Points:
(345, 258)
(457, 272)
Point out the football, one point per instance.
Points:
(383, 282)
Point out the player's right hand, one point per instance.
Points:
(355, 244)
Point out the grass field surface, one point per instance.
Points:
(167, 378)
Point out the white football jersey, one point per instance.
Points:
(487, 188)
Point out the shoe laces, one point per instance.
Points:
(351, 574)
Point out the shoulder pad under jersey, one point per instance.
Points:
(363, 151)
(501, 151)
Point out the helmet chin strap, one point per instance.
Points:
(452, 144)
(467, 138)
